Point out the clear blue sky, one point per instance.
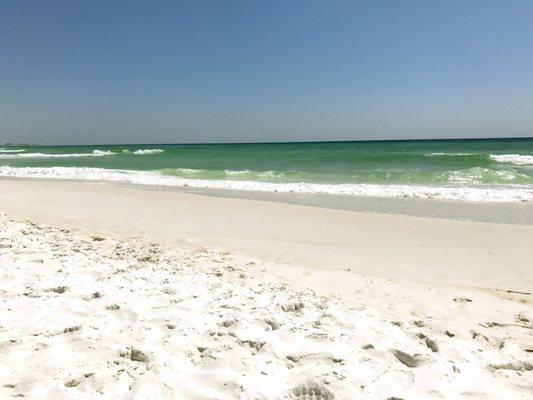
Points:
(217, 71)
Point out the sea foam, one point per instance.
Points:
(509, 193)
(479, 175)
(516, 159)
(148, 151)
(94, 153)
(441, 154)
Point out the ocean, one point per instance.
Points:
(497, 170)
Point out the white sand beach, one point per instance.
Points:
(282, 200)
(121, 293)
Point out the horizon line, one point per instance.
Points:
(8, 144)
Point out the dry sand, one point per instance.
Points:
(167, 295)
(418, 249)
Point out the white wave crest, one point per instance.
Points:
(516, 159)
(230, 172)
(94, 153)
(259, 174)
(190, 170)
(439, 154)
(269, 174)
(4, 150)
(511, 193)
(102, 153)
(478, 175)
(148, 151)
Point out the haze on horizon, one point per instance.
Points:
(74, 72)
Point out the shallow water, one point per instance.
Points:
(467, 170)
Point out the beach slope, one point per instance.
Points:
(117, 292)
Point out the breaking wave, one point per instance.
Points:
(516, 159)
(94, 153)
(508, 193)
(478, 175)
(148, 151)
(440, 154)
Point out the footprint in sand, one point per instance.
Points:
(407, 359)
(514, 366)
(254, 345)
(71, 329)
(432, 345)
(310, 392)
(522, 318)
(72, 383)
(462, 300)
(134, 355)
(293, 307)
(272, 324)
(58, 289)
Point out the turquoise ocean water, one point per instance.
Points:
(467, 170)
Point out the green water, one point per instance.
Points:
(463, 170)
(411, 162)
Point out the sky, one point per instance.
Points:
(87, 72)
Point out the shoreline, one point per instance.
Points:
(444, 251)
(514, 213)
(501, 213)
